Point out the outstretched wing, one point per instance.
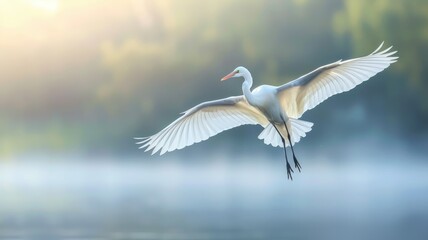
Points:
(203, 121)
(308, 91)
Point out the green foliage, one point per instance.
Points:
(139, 63)
(403, 24)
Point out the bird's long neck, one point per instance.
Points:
(246, 87)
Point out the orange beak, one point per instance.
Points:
(228, 76)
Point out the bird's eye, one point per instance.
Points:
(237, 71)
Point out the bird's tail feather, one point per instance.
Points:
(298, 130)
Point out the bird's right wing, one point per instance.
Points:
(203, 121)
(309, 90)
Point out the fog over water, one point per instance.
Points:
(216, 197)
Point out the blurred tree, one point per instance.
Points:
(273, 39)
(113, 69)
(405, 25)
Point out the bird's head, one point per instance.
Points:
(238, 72)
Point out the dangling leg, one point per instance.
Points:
(289, 169)
(296, 163)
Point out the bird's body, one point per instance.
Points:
(266, 100)
(276, 108)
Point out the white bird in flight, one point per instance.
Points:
(276, 108)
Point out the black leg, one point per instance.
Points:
(289, 169)
(296, 163)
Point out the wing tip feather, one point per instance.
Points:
(378, 48)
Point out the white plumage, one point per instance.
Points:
(311, 89)
(203, 121)
(274, 108)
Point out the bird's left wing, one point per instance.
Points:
(203, 121)
(311, 89)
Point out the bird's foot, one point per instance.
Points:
(297, 164)
(289, 171)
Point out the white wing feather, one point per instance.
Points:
(203, 121)
(308, 91)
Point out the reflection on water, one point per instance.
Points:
(213, 200)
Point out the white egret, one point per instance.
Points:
(276, 109)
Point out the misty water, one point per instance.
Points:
(214, 198)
